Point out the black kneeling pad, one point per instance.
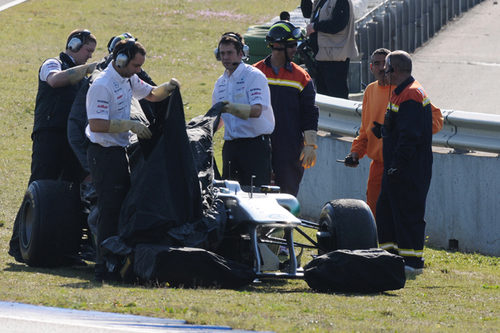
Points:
(189, 267)
(365, 271)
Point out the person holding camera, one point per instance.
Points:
(331, 32)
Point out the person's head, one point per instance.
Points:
(231, 50)
(285, 16)
(115, 39)
(282, 37)
(80, 45)
(128, 57)
(398, 66)
(377, 64)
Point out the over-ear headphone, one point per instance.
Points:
(123, 53)
(77, 40)
(242, 46)
(389, 69)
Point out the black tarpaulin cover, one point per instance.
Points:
(168, 203)
(189, 267)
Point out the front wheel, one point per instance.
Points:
(346, 224)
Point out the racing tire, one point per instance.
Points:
(346, 224)
(50, 226)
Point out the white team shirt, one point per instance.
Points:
(51, 65)
(247, 85)
(109, 97)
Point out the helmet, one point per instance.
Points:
(282, 32)
(112, 42)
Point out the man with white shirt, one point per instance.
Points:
(248, 117)
(110, 131)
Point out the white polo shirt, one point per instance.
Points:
(109, 97)
(246, 85)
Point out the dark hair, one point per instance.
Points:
(285, 16)
(382, 51)
(233, 38)
(130, 47)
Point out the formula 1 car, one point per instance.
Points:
(249, 225)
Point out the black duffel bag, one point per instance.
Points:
(364, 271)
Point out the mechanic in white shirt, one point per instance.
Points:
(248, 117)
(110, 131)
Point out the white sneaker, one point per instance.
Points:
(412, 272)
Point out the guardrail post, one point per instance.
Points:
(412, 25)
(444, 12)
(363, 53)
(419, 23)
(437, 15)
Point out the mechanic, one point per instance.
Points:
(247, 115)
(77, 120)
(293, 140)
(58, 82)
(332, 34)
(375, 101)
(111, 131)
(407, 153)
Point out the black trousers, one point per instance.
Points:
(331, 78)
(400, 218)
(53, 158)
(244, 158)
(110, 172)
(288, 174)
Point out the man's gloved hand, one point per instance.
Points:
(352, 159)
(239, 110)
(75, 74)
(377, 129)
(165, 89)
(308, 154)
(123, 125)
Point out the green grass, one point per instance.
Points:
(457, 292)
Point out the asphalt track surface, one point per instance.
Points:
(459, 67)
(24, 318)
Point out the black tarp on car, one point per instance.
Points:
(171, 201)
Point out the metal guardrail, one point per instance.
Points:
(461, 130)
(399, 25)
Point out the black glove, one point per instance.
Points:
(349, 161)
(377, 129)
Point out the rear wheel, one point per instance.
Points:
(346, 224)
(50, 228)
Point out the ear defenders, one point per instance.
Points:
(243, 47)
(77, 40)
(389, 68)
(123, 54)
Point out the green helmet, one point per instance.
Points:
(283, 32)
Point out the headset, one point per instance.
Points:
(77, 40)
(243, 47)
(389, 69)
(123, 54)
(114, 40)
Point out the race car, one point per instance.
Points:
(181, 203)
